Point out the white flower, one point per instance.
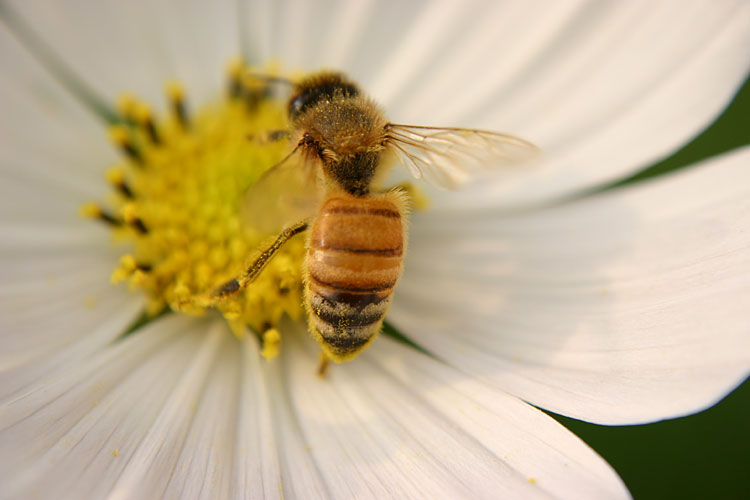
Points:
(625, 307)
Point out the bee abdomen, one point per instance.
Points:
(354, 260)
(346, 328)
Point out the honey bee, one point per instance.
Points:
(342, 147)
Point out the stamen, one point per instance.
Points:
(130, 214)
(124, 270)
(176, 95)
(120, 136)
(254, 90)
(271, 344)
(126, 104)
(179, 194)
(234, 71)
(145, 119)
(91, 210)
(116, 177)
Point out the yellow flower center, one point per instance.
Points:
(177, 204)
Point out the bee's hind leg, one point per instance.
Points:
(253, 270)
(323, 365)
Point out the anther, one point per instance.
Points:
(234, 71)
(120, 136)
(254, 90)
(271, 344)
(139, 278)
(145, 119)
(116, 177)
(93, 211)
(131, 217)
(176, 95)
(124, 270)
(138, 225)
(126, 104)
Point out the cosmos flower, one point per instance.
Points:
(622, 307)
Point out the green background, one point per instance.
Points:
(706, 455)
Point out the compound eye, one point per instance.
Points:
(296, 105)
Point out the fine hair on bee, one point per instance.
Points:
(342, 148)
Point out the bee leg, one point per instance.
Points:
(236, 284)
(417, 198)
(323, 365)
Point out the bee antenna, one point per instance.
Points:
(284, 160)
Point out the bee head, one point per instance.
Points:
(320, 87)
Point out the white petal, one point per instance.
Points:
(207, 454)
(395, 423)
(256, 462)
(73, 434)
(137, 46)
(53, 150)
(157, 457)
(301, 477)
(56, 303)
(627, 307)
(611, 90)
(271, 458)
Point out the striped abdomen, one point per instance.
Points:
(354, 259)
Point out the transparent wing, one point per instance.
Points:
(287, 193)
(449, 157)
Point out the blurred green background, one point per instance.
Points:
(707, 455)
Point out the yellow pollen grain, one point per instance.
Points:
(188, 192)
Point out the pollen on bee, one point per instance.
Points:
(177, 208)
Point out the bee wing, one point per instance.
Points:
(448, 157)
(287, 193)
